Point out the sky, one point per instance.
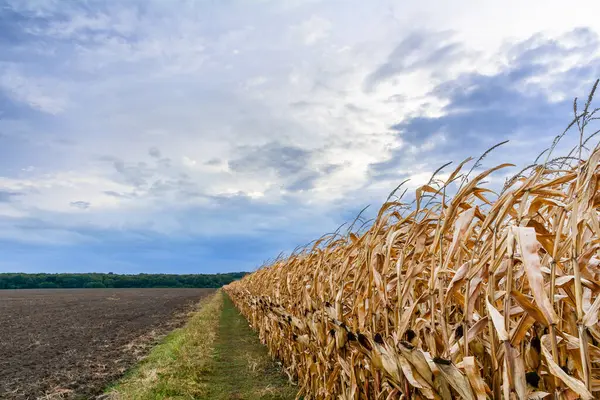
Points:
(178, 136)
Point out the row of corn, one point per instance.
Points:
(464, 292)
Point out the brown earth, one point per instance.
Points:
(72, 343)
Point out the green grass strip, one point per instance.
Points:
(242, 367)
(175, 368)
(215, 356)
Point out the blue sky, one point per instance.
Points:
(208, 136)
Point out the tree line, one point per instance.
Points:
(110, 280)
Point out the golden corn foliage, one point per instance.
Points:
(476, 295)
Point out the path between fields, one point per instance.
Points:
(216, 356)
(242, 368)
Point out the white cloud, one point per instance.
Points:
(201, 83)
(313, 30)
(42, 93)
(188, 162)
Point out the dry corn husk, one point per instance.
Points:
(461, 296)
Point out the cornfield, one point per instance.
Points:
(462, 292)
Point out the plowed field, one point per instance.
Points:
(70, 344)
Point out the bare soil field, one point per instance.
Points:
(71, 343)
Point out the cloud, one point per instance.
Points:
(213, 161)
(82, 205)
(8, 196)
(154, 152)
(418, 52)
(313, 29)
(284, 160)
(211, 126)
(136, 174)
(119, 195)
(305, 183)
(43, 95)
(513, 104)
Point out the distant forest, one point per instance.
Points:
(110, 280)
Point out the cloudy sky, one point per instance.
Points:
(209, 135)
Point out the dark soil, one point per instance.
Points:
(71, 343)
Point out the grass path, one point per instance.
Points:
(215, 356)
(242, 368)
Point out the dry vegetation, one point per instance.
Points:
(463, 293)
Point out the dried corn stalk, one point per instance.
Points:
(453, 297)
